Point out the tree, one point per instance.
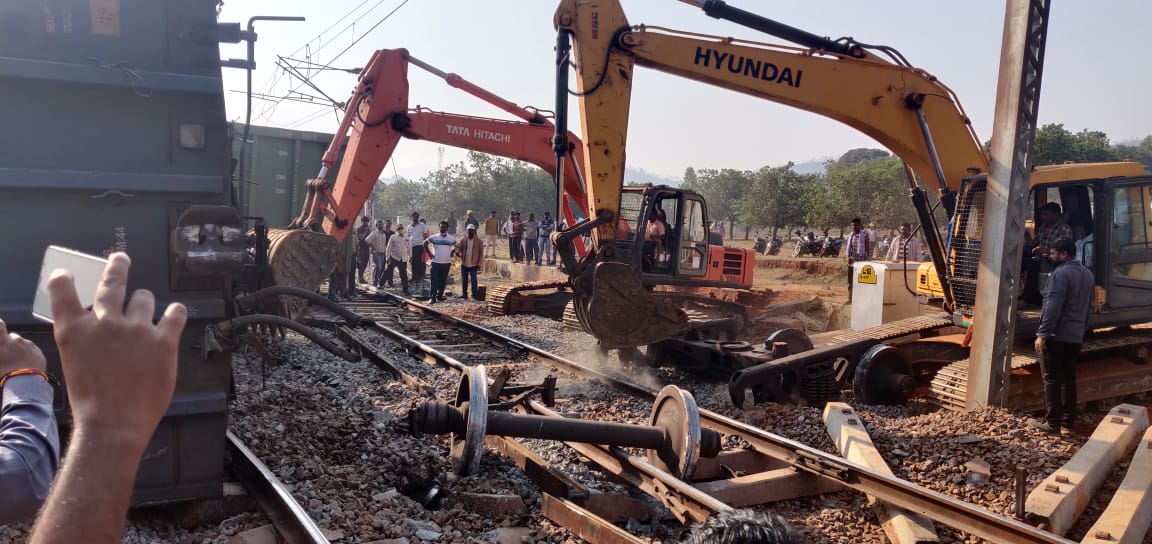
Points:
(1140, 152)
(777, 197)
(690, 177)
(875, 191)
(721, 188)
(863, 154)
(401, 197)
(1055, 145)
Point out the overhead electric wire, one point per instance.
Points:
(275, 76)
(307, 81)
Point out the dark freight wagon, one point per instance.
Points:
(279, 163)
(114, 126)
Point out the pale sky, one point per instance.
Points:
(1096, 70)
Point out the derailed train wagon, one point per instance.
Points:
(279, 163)
(114, 127)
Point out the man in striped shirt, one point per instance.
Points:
(905, 246)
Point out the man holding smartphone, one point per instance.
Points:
(29, 443)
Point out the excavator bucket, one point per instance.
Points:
(613, 305)
(298, 258)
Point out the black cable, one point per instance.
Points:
(354, 42)
(603, 73)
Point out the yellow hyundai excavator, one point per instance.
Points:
(875, 90)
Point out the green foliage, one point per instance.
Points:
(874, 190)
(863, 154)
(482, 183)
(1055, 145)
(869, 183)
(722, 189)
(777, 197)
(1140, 152)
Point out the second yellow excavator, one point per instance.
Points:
(877, 91)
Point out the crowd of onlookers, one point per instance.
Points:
(379, 251)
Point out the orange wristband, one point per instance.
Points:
(23, 372)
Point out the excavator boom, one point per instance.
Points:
(376, 118)
(902, 107)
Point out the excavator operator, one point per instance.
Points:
(654, 239)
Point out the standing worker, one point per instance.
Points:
(471, 251)
(397, 252)
(470, 219)
(491, 233)
(417, 232)
(547, 226)
(906, 246)
(532, 240)
(859, 249)
(378, 242)
(440, 246)
(1063, 320)
(451, 219)
(363, 250)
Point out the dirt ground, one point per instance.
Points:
(805, 292)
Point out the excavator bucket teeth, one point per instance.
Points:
(621, 313)
(298, 258)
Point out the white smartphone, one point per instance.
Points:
(86, 270)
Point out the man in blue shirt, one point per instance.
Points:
(441, 247)
(29, 444)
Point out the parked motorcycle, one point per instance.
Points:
(761, 245)
(830, 246)
(773, 246)
(806, 245)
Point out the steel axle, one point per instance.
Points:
(674, 438)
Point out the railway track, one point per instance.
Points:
(289, 518)
(685, 501)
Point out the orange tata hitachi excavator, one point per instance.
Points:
(376, 118)
(875, 90)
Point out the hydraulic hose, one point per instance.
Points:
(281, 290)
(227, 327)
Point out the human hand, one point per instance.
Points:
(16, 352)
(120, 369)
(1039, 346)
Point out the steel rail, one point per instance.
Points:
(289, 518)
(950, 511)
(563, 495)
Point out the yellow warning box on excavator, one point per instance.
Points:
(867, 275)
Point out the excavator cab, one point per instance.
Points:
(1108, 210)
(669, 242)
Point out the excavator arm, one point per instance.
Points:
(904, 108)
(530, 142)
(376, 117)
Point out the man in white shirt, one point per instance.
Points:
(905, 245)
(417, 232)
(441, 247)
